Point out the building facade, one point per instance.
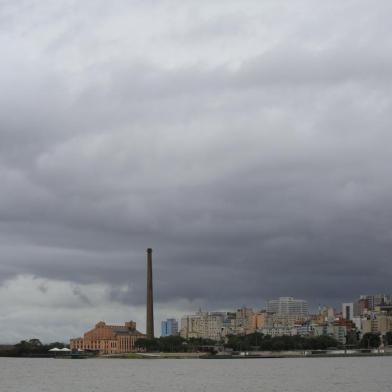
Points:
(288, 306)
(108, 339)
(206, 325)
(278, 330)
(338, 332)
(377, 323)
(259, 320)
(242, 322)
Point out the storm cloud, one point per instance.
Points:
(248, 143)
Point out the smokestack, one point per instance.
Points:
(150, 304)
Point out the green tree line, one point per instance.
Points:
(173, 344)
(29, 348)
(259, 341)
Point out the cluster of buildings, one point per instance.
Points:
(370, 313)
(282, 316)
(290, 316)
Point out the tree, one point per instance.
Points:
(147, 344)
(370, 340)
(254, 339)
(266, 343)
(35, 343)
(352, 338)
(324, 342)
(388, 338)
(56, 344)
(171, 343)
(237, 343)
(25, 348)
(193, 344)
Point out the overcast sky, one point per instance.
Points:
(249, 143)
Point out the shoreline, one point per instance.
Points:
(266, 355)
(201, 355)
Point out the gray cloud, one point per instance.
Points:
(248, 144)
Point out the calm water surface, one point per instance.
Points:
(164, 375)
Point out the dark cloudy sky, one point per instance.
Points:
(248, 142)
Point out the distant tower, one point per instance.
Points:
(150, 302)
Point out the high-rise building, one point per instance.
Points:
(375, 300)
(361, 307)
(366, 304)
(348, 310)
(288, 306)
(169, 327)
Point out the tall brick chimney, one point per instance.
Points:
(150, 301)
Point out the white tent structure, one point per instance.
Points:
(60, 351)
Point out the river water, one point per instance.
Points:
(164, 375)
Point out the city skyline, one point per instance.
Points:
(297, 309)
(248, 143)
(284, 316)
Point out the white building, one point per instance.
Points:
(278, 330)
(206, 325)
(288, 306)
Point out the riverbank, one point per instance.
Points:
(225, 355)
(302, 354)
(254, 355)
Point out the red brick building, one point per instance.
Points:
(109, 339)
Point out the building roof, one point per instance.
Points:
(126, 331)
